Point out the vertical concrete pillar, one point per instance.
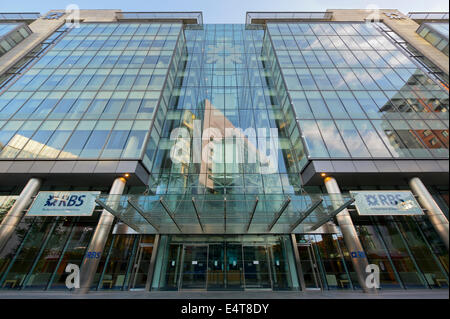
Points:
(89, 265)
(435, 214)
(349, 234)
(15, 214)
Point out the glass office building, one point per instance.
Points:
(216, 151)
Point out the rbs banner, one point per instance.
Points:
(373, 203)
(63, 204)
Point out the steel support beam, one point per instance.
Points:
(332, 215)
(305, 214)
(141, 212)
(166, 208)
(225, 215)
(280, 212)
(197, 214)
(115, 213)
(252, 214)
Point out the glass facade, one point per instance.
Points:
(223, 83)
(397, 245)
(92, 96)
(356, 94)
(262, 100)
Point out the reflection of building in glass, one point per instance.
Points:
(225, 154)
(11, 34)
(436, 33)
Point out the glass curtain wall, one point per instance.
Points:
(356, 95)
(37, 254)
(402, 247)
(223, 84)
(93, 95)
(409, 254)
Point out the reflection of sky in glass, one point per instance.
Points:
(223, 84)
(442, 28)
(93, 95)
(341, 71)
(6, 27)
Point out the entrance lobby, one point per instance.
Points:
(226, 263)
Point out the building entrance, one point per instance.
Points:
(222, 266)
(139, 273)
(226, 266)
(309, 267)
(194, 267)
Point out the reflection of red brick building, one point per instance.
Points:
(418, 101)
(433, 140)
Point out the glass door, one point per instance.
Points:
(173, 265)
(141, 266)
(216, 271)
(280, 268)
(195, 260)
(309, 267)
(234, 273)
(256, 267)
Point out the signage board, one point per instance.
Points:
(64, 203)
(379, 203)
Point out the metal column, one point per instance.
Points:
(15, 214)
(435, 214)
(89, 265)
(301, 278)
(151, 268)
(348, 232)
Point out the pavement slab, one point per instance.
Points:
(385, 294)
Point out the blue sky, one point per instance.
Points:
(224, 11)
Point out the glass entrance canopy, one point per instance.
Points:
(224, 214)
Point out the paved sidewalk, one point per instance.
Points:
(385, 294)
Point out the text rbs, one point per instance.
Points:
(65, 200)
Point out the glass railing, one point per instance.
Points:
(263, 17)
(186, 17)
(428, 15)
(19, 16)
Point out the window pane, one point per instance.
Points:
(313, 139)
(332, 139)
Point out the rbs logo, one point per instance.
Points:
(66, 201)
(387, 200)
